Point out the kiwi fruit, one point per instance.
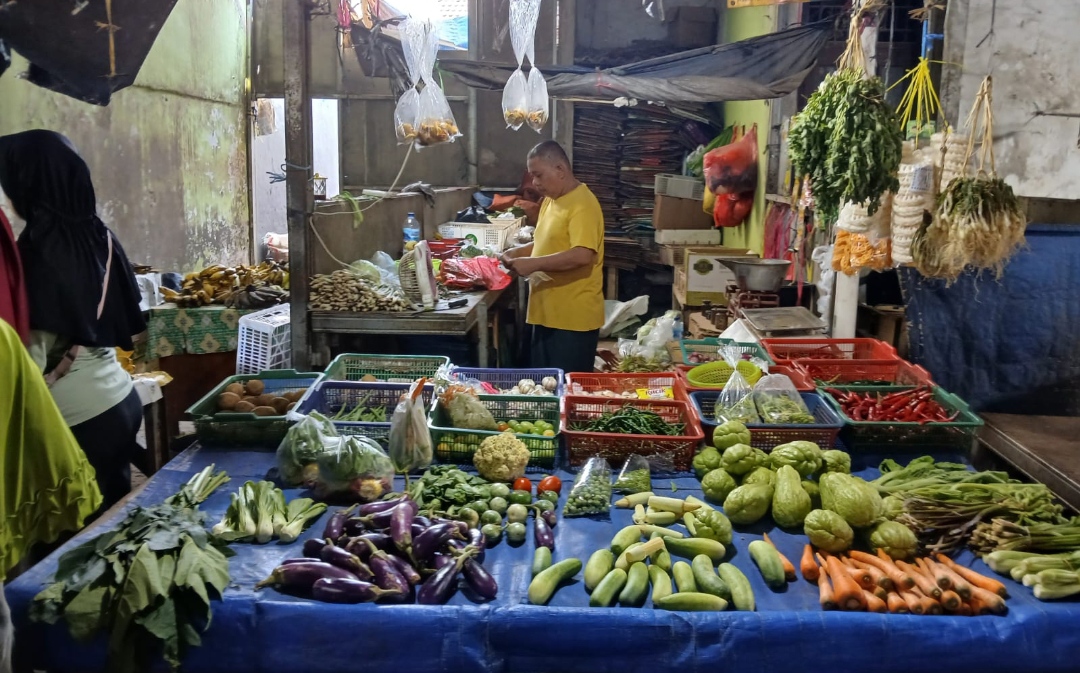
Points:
(250, 398)
(235, 388)
(265, 400)
(281, 404)
(265, 411)
(291, 406)
(227, 401)
(369, 378)
(244, 407)
(255, 387)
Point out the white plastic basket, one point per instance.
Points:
(498, 235)
(265, 341)
(679, 186)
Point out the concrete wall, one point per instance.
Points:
(1029, 49)
(169, 154)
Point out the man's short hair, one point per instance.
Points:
(552, 152)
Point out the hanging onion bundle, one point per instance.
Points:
(847, 139)
(979, 222)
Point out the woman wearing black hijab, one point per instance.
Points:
(83, 300)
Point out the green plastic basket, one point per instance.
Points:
(219, 428)
(716, 374)
(385, 368)
(456, 446)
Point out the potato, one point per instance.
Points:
(244, 407)
(266, 411)
(291, 406)
(369, 378)
(281, 404)
(235, 388)
(251, 399)
(265, 400)
(227, 401)
(255, 387)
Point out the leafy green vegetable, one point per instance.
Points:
(258, 512)
(149, 583)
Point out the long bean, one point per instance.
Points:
(630, 420)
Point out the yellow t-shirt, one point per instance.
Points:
(571, 300)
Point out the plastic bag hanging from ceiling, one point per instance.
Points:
(524, 99)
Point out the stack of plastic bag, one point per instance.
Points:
(525, 99)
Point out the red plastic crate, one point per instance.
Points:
(873, 372)
(664, 453)
(803, 383)
(784, 351)
(589, 385)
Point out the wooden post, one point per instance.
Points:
(298, 171)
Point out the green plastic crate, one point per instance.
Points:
(385, 368)
(246, 429)
(456, 446)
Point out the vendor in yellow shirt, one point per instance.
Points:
(567, 311)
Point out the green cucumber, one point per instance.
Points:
(541, 560)
(604, 593)
(661, 558)
(684, 577)
(623, 562)
(707, 580)
(624, 538)
(543, 586)
(691, 602)
(599, 565)
(768, 562)
(637, 586)
(691, 547)
(742, 595)
(661, 582)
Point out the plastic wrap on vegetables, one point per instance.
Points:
(465, 409)
(736, 400)
(410, 440)
(634, 476)
(779, 403)
(591, 493)
(354, 469)
(301, 448)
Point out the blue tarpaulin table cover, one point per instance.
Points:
(267, 631)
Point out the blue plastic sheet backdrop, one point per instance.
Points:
(1007, 345)
(266, 631)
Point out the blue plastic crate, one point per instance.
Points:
(505, 379)
(329, 397)
(823, 432)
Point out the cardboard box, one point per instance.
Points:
(706, 279)
(688, 237)
(692, 27)
(671, 212)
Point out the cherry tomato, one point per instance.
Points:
(503, 427)
(523, 484)
(550, 483)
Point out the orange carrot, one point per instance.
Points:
(810, 570)
(987, 601)
(880, 593)
(913, 601)
(848, 594)
(950, 600)
(825, 591)
(896, 603)
(933, 571)
(880, 578)
(959, 584)
(873, 603)
(898, 577)
(974, 578)
(861, 576)
(964, 610)
(789, 569)
(930, 606)
(926, 585)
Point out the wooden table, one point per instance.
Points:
(443, 321)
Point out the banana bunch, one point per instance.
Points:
(201, 288)
(264, 273)
(255, 297)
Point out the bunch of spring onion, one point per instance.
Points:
(1050, 576)
(258, 512)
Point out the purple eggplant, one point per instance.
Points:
(290, 561)
(406, 569)
(542, 533)
(479, 579)
(355, 526)
(439, 587)
(440, 560)
(313, 548)
(335, 525)
(462, 527)
(401, 528)
(477, 539)
(432, 540)
(463, 545)
(387, 575)
(382, 519)
(344, 559)
(550, 516)
(380, 506)
(423, 521)
(347, 591)
(303, 575)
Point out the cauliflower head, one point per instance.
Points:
(502, 457)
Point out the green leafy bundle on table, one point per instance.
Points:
(147, 584)
(258, 513)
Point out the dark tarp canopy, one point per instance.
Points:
(770, 66)
(86, 50)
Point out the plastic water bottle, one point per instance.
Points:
(411, 230)
(677, 329)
